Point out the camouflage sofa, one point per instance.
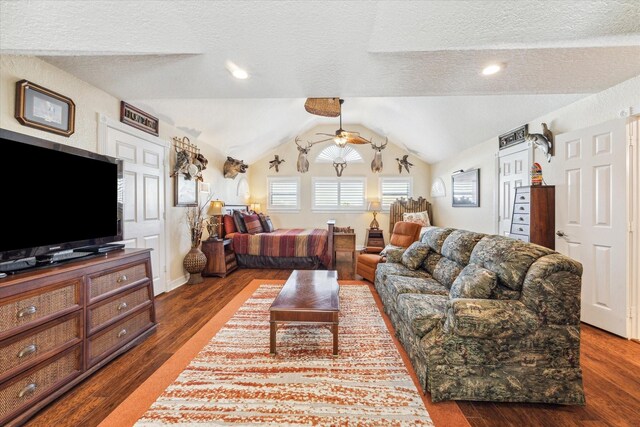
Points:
(486, 317)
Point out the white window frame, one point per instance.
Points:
(339, 208)
(276, 208)
(382, 179)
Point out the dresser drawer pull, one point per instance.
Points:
(122, 333)
(30, 349)
(27, 311)
(520, 219)
(122, 278)
(520, 229)
(29, 389)
(521, 208)
(122, 306)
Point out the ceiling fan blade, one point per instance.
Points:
(325, 134)
(322, 140)
(326, 107)
(358, 140)
(349, 134)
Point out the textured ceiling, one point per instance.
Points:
(409, 70)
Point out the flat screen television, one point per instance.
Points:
(56, 199)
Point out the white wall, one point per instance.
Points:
(591, 110)
(91, 101)
(306, 217)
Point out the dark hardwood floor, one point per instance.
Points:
(611, 368)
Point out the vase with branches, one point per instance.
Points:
(195, 260)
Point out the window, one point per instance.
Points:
(394, 188)
(284, 194)
(339, 194)
(349, 154)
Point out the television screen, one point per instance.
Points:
(56, 197)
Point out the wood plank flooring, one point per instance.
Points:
(611, 368)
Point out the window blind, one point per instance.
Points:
(392, 189)
(284, 194)
(339, 194)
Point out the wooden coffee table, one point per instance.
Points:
(309, 296)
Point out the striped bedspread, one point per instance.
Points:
(289, 242)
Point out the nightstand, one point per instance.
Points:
(221, 260)
(374, 237)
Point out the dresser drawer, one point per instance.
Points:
(35, 307)
(107, 283)
(519, 208)
(18, 353)
(106, 342)
(520, 219)
(520, 237)
(107, 310)
(520, 229)
(17, 394)
(522, 197)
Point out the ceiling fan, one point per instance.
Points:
(327, 108)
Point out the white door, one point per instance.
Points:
(591, 217)
(144, 189)
(514, 172)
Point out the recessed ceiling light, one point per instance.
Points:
(491, 69)
(236, 71)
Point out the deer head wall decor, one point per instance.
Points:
(376, 163)
(339, 164)
(303, 163)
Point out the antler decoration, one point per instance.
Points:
(303, 163)
(376, 163)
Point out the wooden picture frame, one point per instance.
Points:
(465, 189)
(44, 109)
(138, 119)
(513, 137)
(185, 191)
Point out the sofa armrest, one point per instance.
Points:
(486, 318)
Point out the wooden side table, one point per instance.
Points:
(345, 242)
(374, 237)
(221, 260)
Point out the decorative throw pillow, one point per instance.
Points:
(252, 222)
(415, 254)
(237, 218)
(229, 224)
(388, 248)
(473, 282)
(270, 228)
(395, 254)
(421, 218)
(263, 220)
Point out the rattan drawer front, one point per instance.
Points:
(44, 339)
(106, 283)
(47, 302)
(114, 307)
(38, 382)
(118, 335)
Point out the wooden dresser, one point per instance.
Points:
(60, 324)
(534, 215)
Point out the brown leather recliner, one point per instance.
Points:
(403, 235)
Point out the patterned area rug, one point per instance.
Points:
(234, 380)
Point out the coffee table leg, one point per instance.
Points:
(334, 330)
(272, 338)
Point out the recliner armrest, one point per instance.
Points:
(487, 318)
(373, 249)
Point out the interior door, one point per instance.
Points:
(591, 217)
(143, 197)
(514, 172)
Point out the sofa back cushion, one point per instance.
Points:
(446, 271)
(435, 237)
(405, 233)
(415, 254)
(473, 282)
(459, 245)
(510, 259)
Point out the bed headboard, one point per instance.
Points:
(230, 208)
(400, 206)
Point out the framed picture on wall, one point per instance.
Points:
(186, 191)
(465, 189)
(44, 109)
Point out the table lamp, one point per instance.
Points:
(255, 207)
(214, 212)
(374, 207)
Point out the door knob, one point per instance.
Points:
(560, 233)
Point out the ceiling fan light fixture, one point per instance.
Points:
(236, 71)
(340, 141)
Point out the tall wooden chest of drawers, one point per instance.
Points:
(60, 324)
(534, 215)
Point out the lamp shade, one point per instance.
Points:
(215, 207)
(374, 206)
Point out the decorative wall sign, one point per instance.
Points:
(44, 109)
(138, 118)
(465, 188)
(513, 137)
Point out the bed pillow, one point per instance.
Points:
(229, 224)
(239, 221)
(421, 218)
(252, 222)
(267, 227)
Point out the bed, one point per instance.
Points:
(401, 206)
(291, 248)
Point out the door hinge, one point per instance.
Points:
(632, 312)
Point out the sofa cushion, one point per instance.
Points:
(510, 259)
(385, 269)
(473, 282)
(435, 237)
(459, 245)
(414, 255)
(431, 261)
(395, 254)
(446, 271)
(398, 285)
(422, 312)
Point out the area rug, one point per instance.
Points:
(231, 378)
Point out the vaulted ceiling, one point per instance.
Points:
(408, 70)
